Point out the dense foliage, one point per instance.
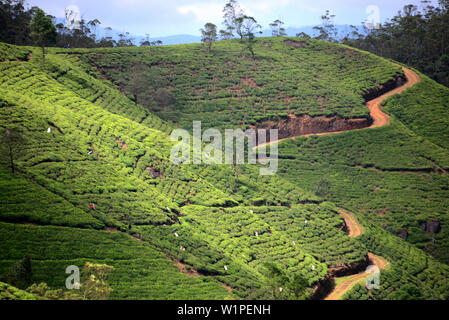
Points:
(16, 28)
(91, 158)
(78, 128)
(9, 52)
(392, 176)
(140, 272)
(8, 292)
(416, 37)
(229, 88)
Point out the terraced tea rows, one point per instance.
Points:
(317, 230)
(223, 222)
(140, 271)
(315, 79)
(396, 178)
(108, 159)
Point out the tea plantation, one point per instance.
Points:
(93, 180)
(391, 175)
(227, 88)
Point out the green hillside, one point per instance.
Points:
(227, 88)
(394, 177)
(222, 223)
(8, 292)
(140, 272)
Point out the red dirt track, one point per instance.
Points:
(355, 229)
(379, 117)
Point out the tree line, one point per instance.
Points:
(238, 24)
(16, 28)
(416, 37)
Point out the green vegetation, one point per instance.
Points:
(10, 52)
(227, 88)
(430, 123)
(316, 230)
(140, 272)
(8, 292)
(96, 184)
(108, 159)
(42, 291)
(43, 31)
(209, 35)
(25, 201)
(16, 18)
(20, 273)
(416, 36)
(392, 176)
(282, 286)
(413, 275)
(358, 292)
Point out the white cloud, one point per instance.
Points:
(213, 11)
(167, 17)
(203, 12)
(267, 6)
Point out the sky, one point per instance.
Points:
(161, 18)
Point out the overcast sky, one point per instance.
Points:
(168, 17)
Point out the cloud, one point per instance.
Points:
(203, 12)
(167, 17)
(266, 6)
(212, 11)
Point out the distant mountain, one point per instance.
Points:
(343, 30)
(175, 39)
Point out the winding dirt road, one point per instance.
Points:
(379, 117)
(355, 229)
(351, 281)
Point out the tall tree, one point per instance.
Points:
(43, 31)
(277, 29)
(209, 35)
(232, 18)
(416, 37)
(12, 141)
(93, 24)
(327, 30)
(146, 42)
(20, 274)
(14, 22)
(125, 40)
(107, 40)
(249, 27)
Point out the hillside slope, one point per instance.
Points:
(104, 149)
(228, 88)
